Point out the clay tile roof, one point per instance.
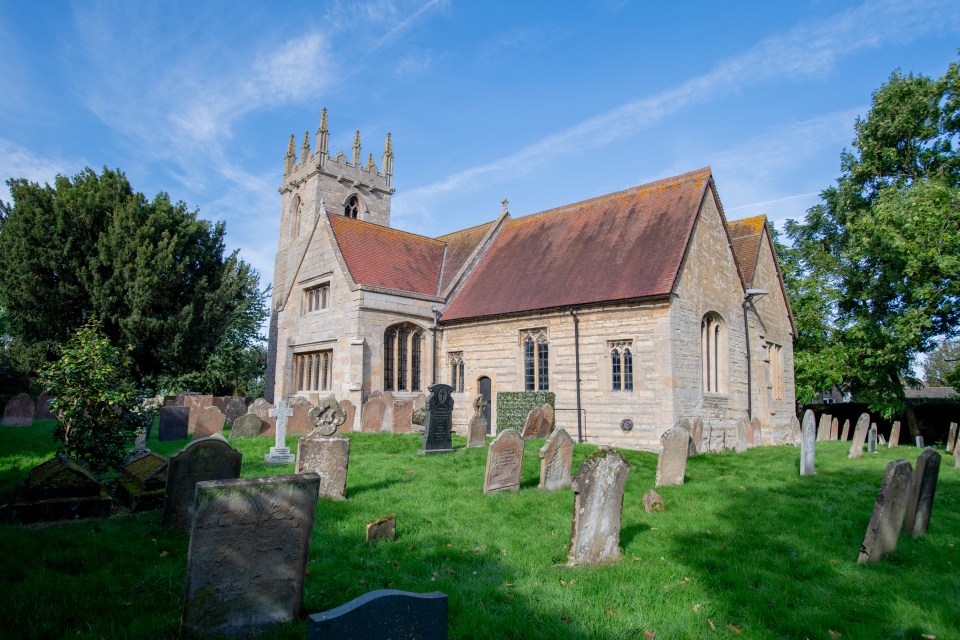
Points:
(460, 246)
(383, 257)
(930, 392)
(622, 246)
(745, 236)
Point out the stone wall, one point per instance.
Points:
(513, 407)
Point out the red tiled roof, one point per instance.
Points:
(745, 237)
(384, 257)
(460, 246)
(622, 246)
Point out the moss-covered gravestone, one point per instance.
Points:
(143, 482)
(59, 489)
(206, 459)
(597, 507)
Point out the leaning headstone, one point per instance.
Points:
(383, 528)
(280, 453)
(143, 482)
(872, 438)
(742, 427)
(389, 406)
(234, 409)
(894, 435)
(248, 553)
(477, 430)
(537, 424)
(548, 413)
(386, 614)
(299, 422)
(652, 501)
(845, 435)
(350, 411)
(211, 421)
(796, 431)
(504, 462)
(437, 425)
(919, 442)
(43, 407)
(696, 435)
(403, 416)
(880, 439)
(205, 459)
(324, 452)
(246, 426)
(888, 512)
(598, 506)
(672, 462)
(859, 436)
(756, 430)
(19, 410)
(371, 418)
(834, 429)
(59, 489)
(952, 437)
(808, 445)
(173, 423)
(823, 427)
(923, 486)
(556, 458)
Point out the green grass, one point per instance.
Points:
(746, 549)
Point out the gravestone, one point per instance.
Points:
(234, 409)
(43, 407)
(324, 452)
(437, 425)
(757, 433)
(182, 398)
(210, 421)
(205, 459)
(872, 438)
(919, 442)
(652, 501)
(880, 439)
(403, 416)
(749, 435)
(420, 402)
(672, 462)
(556, 458)
(477, 431)
(834, 429)
(386, 614)
(389, 407)
(888, 512)
(923, 486)
(823, 427)
(383, 528)
(597, 507)
(548, 416)
(742, 427)
(261, 408)
(246, 426)
(845, 435)
(859, 436)
(696, 435)
(59, 489)
(173, 423)
(280, 453)
(299, 422)
(952, 437)
(247, 560)
(536, 424)
(808, 445)
(196, 403)
(371, 418)
(504, 462)
(143, 482)
(19, 410)
(894, 435)
(350, 413)
(796, 431)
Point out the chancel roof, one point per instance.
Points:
(622, 246)
(745, 237)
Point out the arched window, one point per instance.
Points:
(536, 360)
(352, 208)
(621, 365)
(295, 216)
(456, 371)
(713, 356)
(402, 357)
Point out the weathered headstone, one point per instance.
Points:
(261, 408)
(383, 528)
(299, 422)
(743, 426)
(504, 462)
(748, 433)
(919, 442)
(205, 459)
(652, 501)
(696, 435)
(386, 614)
(598, 506)
(888, 512)
(952, 437)
(845, 435)
(796, 430)
(19, 410)
(280, 453)
(757, 432)
(210, 421)
(834, 429)
(350, 411)
(923, 486)
(371, 418)
(549, 414)
(823, 427)
(403, 416)
(43, 407)
(859, 436)
(389, 407)
(247, 560)
(894, 435)
(880, 439)
(173, 423)
(234, 409)
(672, 462)
(143, 482)
(808, 445)
(420, 402)
(556, 459)
(196, 403)
(477, 430)
(246, 426)
(437, 427)
(323, 452)
(872, 438)
(536, 424)
(59, 489)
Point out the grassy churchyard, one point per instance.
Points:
(745, 549)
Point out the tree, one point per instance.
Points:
(873, 269)
(154, 273)
(943, 365)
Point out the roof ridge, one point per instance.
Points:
(333, 216)
(747, 225)
(476, 226)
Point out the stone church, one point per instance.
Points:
(636, 309)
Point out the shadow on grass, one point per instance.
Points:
(353, 492)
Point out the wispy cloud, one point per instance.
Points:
(19, 162)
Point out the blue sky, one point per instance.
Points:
(543, 103)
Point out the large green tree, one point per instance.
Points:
(156, 275)
(873, 269)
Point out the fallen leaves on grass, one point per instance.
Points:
(834, 634)
(712, 626)
(649, 635)
(737, 630)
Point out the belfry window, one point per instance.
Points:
(713, 353)
(316, 298)
(402, 357)
(536, 360)
(352, 208)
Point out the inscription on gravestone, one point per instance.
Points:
(437, 425)
(504, 462)
(386, 614)
(556, 459)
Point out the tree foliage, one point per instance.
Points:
(873, 268)
(155, 274)
(942, 368)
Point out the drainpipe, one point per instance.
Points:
(576, 355)
(751, 295)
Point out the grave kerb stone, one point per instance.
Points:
(386, 614)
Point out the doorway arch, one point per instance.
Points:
(485, 387)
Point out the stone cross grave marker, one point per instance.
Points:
(324, 452)
(845, 435)
(19, 410)
(280, 452)
(209, 422)
(371, 416)
(597, 507)
(808, 445)
(556, 459)
(872, 438)
(894, 435)
(248, 553)
(438, 423)
(205, 459)
(477, 432)
(923, 486)
(504, 462)
(952, 437)
(823, 427)
(672, 462)
(888, 512)
(386, 614)
(834, 429)
(859, 436)
(173, 423)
